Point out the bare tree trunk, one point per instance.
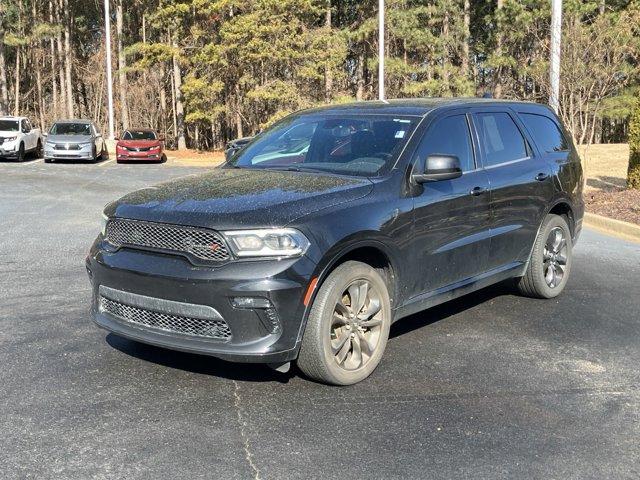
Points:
(60, 63)
(445, 59)
(177, 81)
(360, 76)
(467, 37)
(497, 91)
(54, 85)
(68, 57)
(16, 85)
(328, 74)
(163, 101)
(122, 64)
(4, 90)
(238, 114)
(37, 57)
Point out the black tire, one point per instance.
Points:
(94, 155)
(103, 152)
(37, 153)
(548, 271)
(48, 160)
(21, 154)
(317, 357)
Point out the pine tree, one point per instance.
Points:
(633, 173)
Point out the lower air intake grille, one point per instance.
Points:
(200, 243)
(197, 327)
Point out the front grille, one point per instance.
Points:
(197, 327)
(64, 146)
(138, 149)
(200, 243)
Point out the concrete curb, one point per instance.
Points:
(618, 228)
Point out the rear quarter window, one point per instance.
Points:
(545, 133)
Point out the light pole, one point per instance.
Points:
(107, 36)
(554, 64)
(380, 49)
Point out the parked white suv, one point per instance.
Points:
(18, 137)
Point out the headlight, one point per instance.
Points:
(276, 242)
(86, 145)
(49, 144)
(103, 225)
(9, 139)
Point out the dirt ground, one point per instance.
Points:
(195, 158)
(605, 165)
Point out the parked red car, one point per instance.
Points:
(140, 144)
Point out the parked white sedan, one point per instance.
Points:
(18, 137)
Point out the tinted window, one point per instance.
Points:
(545, 132)
(9, 125)
(350, 144)
(448, 136)
(139, 135)
(71, 129)
(500, 138)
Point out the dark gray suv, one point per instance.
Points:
(336, 222)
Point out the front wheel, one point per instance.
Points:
(37, 153)
(21, 153)
(550, 263)
(348, 326)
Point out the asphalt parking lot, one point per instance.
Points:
(489, 386)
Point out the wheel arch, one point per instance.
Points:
(372, 252)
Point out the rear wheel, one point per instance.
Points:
(37, 153)
(348, 326)
(550, 263)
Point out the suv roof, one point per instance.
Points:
(11, 117)
(414, 106)
(74, 120)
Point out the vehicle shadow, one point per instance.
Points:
(105, 158)
(194, 363)
(450, 308)
(607, 183)
(206, 365)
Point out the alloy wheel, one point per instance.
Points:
(356, 325)
(555, 257)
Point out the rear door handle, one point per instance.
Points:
(541, 177)
(475, 191)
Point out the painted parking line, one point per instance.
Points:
(102, 164)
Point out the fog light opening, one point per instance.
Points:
(250, 302)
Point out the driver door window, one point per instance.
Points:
(448, 136)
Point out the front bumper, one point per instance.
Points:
(8, 150)
(168, 285)
(139, 156)
(55, 154)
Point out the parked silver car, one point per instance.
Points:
(74, 140)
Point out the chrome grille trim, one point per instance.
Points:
(166, 322)
(199, 243)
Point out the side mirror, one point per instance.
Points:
(439, 167)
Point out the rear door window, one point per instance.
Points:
(500, 138)
(546, 133)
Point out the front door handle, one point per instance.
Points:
(475, 191)
(541, 177)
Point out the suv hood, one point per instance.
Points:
(69, 138)
(239, 198)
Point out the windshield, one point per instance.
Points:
(9, 126)
(70, 129)
(363, 145)
(138, 135)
